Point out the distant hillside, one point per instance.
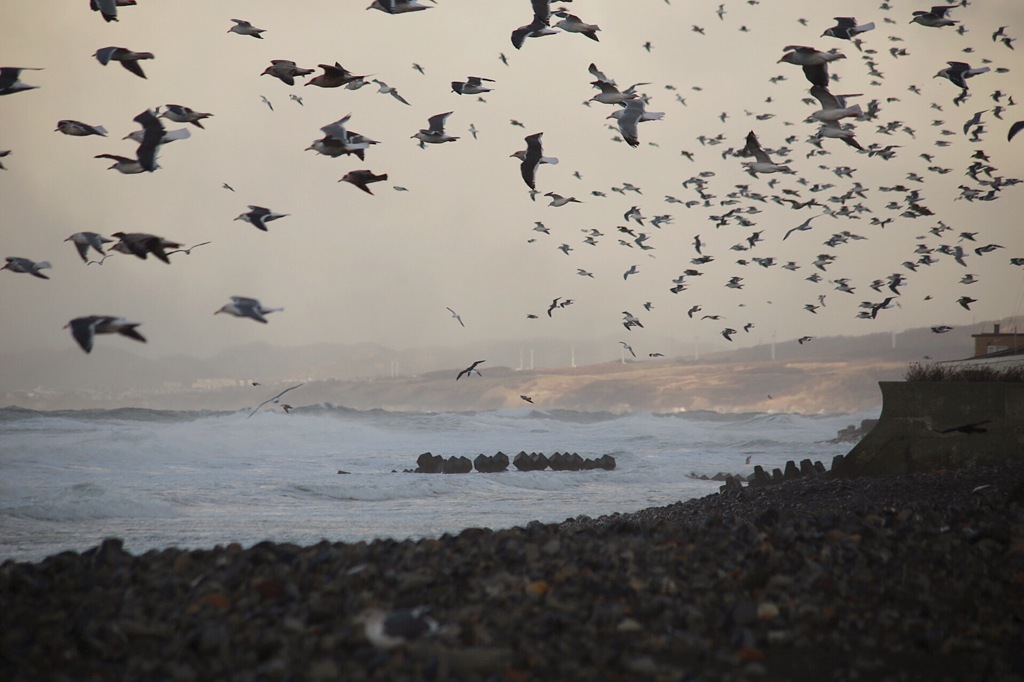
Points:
(827, 374)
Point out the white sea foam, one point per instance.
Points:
(159, 479)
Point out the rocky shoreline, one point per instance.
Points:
(919, 576)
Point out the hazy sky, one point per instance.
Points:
(350, 267)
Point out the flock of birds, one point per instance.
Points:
(787, 184)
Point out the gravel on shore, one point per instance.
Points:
(905, 578)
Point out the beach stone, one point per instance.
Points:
(457, 465)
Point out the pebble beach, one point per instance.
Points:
(919, 576)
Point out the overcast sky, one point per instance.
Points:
(349, 267)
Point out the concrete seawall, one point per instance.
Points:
(927, 426)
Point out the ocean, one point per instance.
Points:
(195, 480)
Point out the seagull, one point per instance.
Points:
(9, 83)
(833, 107)
(188, 251)
(27, 266)
(259, 216)
(274, 400)
(814, 62)
(362, 178)
(108, 8)
(333, 76)
(122, 164)
(182, 114)
(538, 27)
(846, 28)
(628, 119)
(244, 28)
(385, 89)
(338, 140)
(942, 329)
(84, 240)
(958, 72)
(573, 24)
(84, 329)
(152, 138)
(141, 244)
(526, 398)
(128, 59)
(79, 129)
(455, 315)
(531, 158)
(966, 301)
(473, 85)
(389, 630)
(242, 306)
(554, 304)
(934, 18)
(727, 333)
(626, 346)
(397, 6)
(558, 200)
(1014, 129)
(434, 133)
(631, 271)
(805, 225)
(266, 101)
(804, 339)
(762, 163)
(469, 370)
(285, 70)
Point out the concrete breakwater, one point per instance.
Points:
(937, 425)
(428, 463)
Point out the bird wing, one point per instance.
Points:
(274, 399)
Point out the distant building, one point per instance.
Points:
(997, 342)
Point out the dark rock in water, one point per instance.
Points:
(457, 465)
(491, 465)
(564, 461)
(535, 461)
(606, 462)
(806, 468)
(792, 472)
(429, 464)
(853, 434)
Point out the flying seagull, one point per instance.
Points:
(242, 306)
(397, 6)
(531, 158)
(85, 240)
(259, 216)
(958, 72)
(141, 244)
(434, 133)
(846, 28)
(455, 315)
(274, 400)
(362, 178)
(469, 370)
(285, 70)
(27, 266)
(79, 129)
(473, 85)
(244, 28)
(333, 76)
(183, 114)
(84, 329)
(538, 27)
(128, 59)
(9, 83)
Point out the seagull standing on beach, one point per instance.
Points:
(389, 630)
